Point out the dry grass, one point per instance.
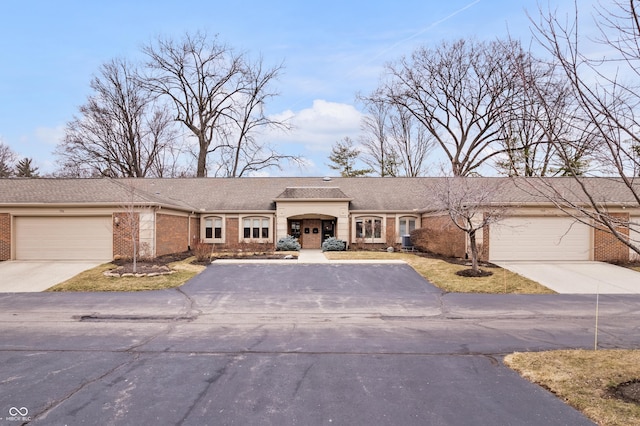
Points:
(443, 274)
(94, 279)
(582, 378)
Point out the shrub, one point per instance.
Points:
(288, 243)
(202, 251)
(333, 244)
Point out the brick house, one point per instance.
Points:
(98, 218)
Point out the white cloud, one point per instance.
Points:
(317, 128)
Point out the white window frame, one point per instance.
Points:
(213, 219)
(371, 239)
(262, 221)
(406, 218)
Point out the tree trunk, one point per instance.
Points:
(474, 251)
(202, 157)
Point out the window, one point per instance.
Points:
(369, 228)
(255, 228)
(407, 224)
(213, 228)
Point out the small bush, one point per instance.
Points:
(333, 244)
(288, 243)
(202, 252)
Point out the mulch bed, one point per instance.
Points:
(628, 391)
(159, 264)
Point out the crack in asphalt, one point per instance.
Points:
(55, 404)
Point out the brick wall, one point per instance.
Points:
(607, 248)
(5, 236)
(439, 235)
(195, 231)
(232, 230)
(391, 234)
(172, 234)
(311, 240)
(123, 224)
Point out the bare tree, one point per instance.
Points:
(543, 133)
(458, 91)
(7, 160)
(469, 204)
(219, 96)
(608, 103)
(242, 153)
(411, 143)
(120, 132)
(378, 152)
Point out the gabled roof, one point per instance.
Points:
(307, 193)
(261, 194)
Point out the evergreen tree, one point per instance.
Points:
(26, 169)
(343, 157)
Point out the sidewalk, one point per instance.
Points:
(307, 256)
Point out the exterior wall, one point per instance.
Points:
(194, 227)
(125, 228)
(147, 234)
(390, 232)
(232, 231)
(438, 235)
(172, 234)
(308, 209)
(5, 236)
(607, 248)
(311, 240)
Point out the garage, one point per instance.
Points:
(540, 238)
(64, 238)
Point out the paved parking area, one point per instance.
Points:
(579, 277)
(292, 344)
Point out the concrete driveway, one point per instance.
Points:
(22, 276)
(579, 277)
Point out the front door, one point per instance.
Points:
(328, 229)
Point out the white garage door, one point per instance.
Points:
(539, 238)
(64, 238)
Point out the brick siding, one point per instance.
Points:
(195, 231)
(438, 235)
(123, 224)
(5, 236)
(311, 240)
(607, 248)
(172, 234)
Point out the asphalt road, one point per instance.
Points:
(292, 344)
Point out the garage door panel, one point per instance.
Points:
(64, 238)
(539, 238)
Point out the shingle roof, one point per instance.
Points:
(312, 193)
(255, 194)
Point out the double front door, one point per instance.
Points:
(312, 232)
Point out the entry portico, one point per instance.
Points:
(312, 214)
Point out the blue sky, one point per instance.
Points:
(331, 50)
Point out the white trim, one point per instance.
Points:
(269, 218)
(370, 240)
(203, 229)
(399, 217)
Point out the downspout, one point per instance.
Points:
(189, 231)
